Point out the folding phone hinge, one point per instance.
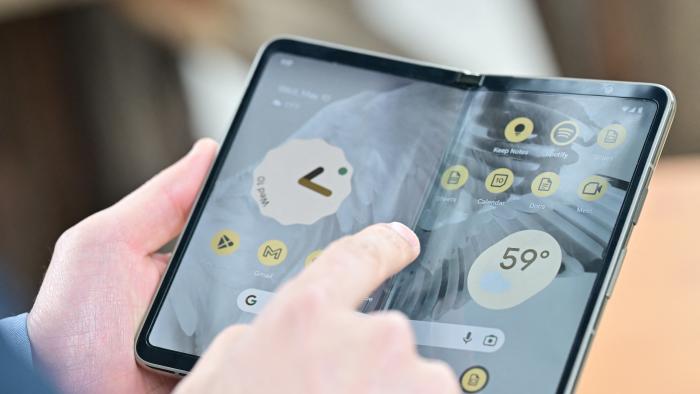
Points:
(467, 79)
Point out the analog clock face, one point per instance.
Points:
(301, 181)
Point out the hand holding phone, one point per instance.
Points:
(309, 338)
(102, 274)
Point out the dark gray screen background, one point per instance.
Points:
(399, 135)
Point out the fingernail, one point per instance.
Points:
(407, 234)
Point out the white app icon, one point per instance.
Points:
(302, 181)
(514, 269)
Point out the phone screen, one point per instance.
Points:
(513, 194)
(516, 231)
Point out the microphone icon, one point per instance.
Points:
(467, 338)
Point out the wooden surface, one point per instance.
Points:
(90, 108)
(633, 40)
(649, 338)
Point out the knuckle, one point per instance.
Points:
(73, 237)
(377, 246)
(310, 301)
(442, 369)
(298, 308)
(371, 248)
(348, 252)
(346, 247)
(388, 235)
(82, 234)
(395, 332)
(369, 251)
(383, 242)
(66, 239)
(440, 377)
(229, 335)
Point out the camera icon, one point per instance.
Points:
(490, 340)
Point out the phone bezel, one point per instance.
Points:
(170, 361)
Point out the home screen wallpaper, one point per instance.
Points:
(514, 196)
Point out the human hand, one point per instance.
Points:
(309, 339)
(102, 276)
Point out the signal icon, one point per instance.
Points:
(633, 110)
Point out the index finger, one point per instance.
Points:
(352, 267)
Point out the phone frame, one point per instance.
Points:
(178, 363)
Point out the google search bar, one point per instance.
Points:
(254, 300)
(434, 334)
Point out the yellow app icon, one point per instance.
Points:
(474, 379)
(545, 184)
(519, 129)
(612, 136)
(272, 252)
(592, 188)
(312, 257)
(454, 177)
(564, 133)
(225, 242)
(499, 180)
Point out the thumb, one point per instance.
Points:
(156, 212)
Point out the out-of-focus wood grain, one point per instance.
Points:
(633, 40)
(89, 109)
(649, 338)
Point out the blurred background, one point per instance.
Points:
(96, 96)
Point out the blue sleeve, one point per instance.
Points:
(16, 374)
(13, 330)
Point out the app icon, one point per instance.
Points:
(490, 340)
(513, 270)
(312, 257)
(612, 136)
(545, 184)
(225, 242)
(474, 379)
(592, 188)
(454, 177)
(301, 181)
(519, 129)
(272, 252)
(499, 180)
(564, 133)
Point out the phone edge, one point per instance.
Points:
(618, 256)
